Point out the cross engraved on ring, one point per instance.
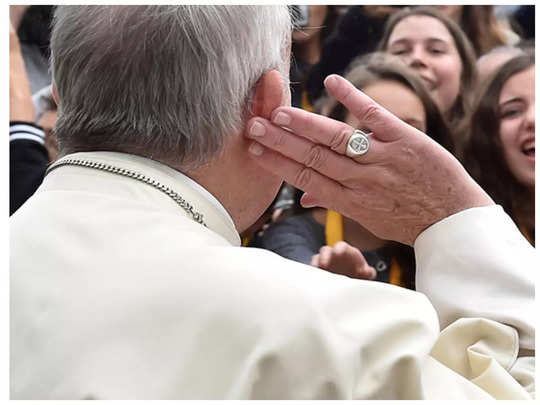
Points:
(358, 144)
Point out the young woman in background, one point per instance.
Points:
(500, 152)
(436, 48)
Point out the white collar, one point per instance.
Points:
(216, 216)
(204, 192)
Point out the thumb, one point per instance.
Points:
(371, 273)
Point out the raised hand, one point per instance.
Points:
(402, 185)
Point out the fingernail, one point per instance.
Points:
(330, 81)
(282, 119)
(256, 149)
(257, 129)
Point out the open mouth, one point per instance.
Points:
(528, 149)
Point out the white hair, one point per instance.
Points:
(168, 82)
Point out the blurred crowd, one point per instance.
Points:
(463, 75)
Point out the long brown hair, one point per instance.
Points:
(463, 103)
(483, 153)
(481, 27)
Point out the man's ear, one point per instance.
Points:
(269, 94)
(55, 94)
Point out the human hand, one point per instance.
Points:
(402, 185)
(343, 259)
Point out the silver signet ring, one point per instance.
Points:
(358, 144)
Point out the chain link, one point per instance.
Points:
(197, 216)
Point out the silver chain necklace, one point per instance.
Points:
(197, 216)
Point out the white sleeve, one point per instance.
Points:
(485, 352)
(476, 263)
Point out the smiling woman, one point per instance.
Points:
(500, 152)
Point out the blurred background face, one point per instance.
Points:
(399, 100)
(516, 112)
(426, 45)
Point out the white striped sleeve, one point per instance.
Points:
(26, 131)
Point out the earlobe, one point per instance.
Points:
(55, 94)
(268, 94)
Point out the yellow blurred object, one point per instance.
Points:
(395, 273)
(334, 227)
(306, 105)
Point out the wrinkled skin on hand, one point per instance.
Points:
(402, 185)
(344, 259)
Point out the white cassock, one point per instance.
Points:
(117, 293)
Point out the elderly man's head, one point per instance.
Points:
(168, 82)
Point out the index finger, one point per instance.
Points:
(317, 128)
(384, 125)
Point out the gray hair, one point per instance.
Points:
(167, 82)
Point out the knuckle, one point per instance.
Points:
(303, 178)
(371, 114)
(315, 157)
(280, 139)
(339, 140)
